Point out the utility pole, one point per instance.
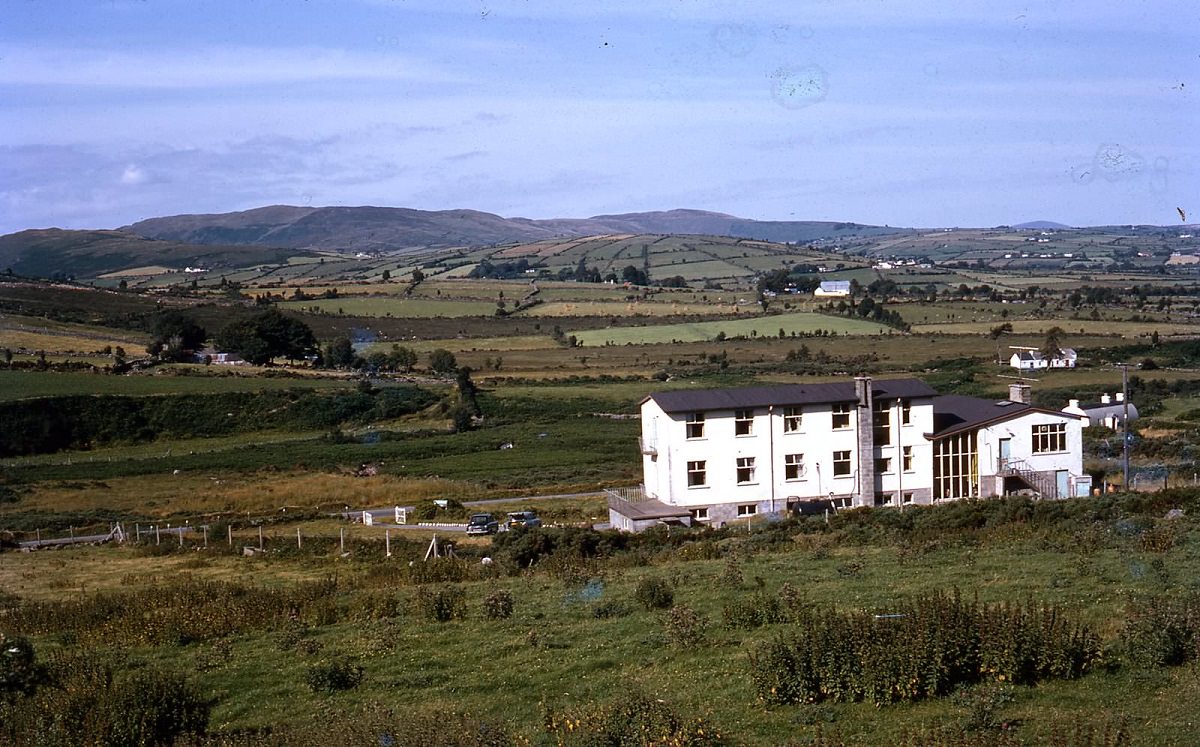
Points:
(1125, 422)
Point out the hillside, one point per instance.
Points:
(392, 229)
(54, 252)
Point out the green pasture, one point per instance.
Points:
(759, 326)
(384, 306)
(27, 384)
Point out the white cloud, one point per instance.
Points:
(134, 175)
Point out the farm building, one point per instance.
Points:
(836, 288)
(728, 454)
(1109, 412)
(1029, 360)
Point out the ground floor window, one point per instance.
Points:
(697, 474)
(841, 463)
(747, 509)
(908, 497)
(956, 467)
(699, 514)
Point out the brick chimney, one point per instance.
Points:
(1020, 392)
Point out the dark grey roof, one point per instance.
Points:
(953, 413)
(1099, 410)
(694, 400)
(648, 509)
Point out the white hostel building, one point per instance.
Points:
(720, 455)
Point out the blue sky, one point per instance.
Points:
(917, 114)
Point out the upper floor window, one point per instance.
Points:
(1049, 438)
(743, 422)
(697, 474)
(841, 416)
(793, 418)
(695, 425)
(905, 412)
(907, 459)
(881, 421)
(883, 465)
(745, 470)
(841, 463)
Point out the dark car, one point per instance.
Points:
(523, 519)
(482, 524)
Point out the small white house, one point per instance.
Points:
(729, 454)
(1109, 412)
(834, 288)
(1032, 360)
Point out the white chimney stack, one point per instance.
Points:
(1120, 396)
(1073, 404)
(1105, 399)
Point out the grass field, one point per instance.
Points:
(798, 323)
(380, 306)
(25, 384)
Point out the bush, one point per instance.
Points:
(754, 611)
(923, 648)
(20, 674)
(334, 675)
(654, 593)
(1161, 631)
(685, 627)
(610, 608)
(633, 719)
(498, 605)
(443, 604)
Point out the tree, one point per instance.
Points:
(266, 335)
(442, 362)
(174, 333)
(402, 359)
(339, 353)
(417, 276)
(387, 275)
(1052, 347)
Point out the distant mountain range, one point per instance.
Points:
(397, 229)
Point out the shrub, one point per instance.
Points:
(633, 719)
(610, 608)
(443, 604)
(754, 611)
(1162, 631)
(654, 593)
(685, 627)
(923, 648)
(498, 604)
(334, 675)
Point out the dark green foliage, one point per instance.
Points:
(334, 675)
(685, 627)
(498, 604)
(610, 608)
(442, 604)
(267, 335)
(174, 332)
(89, 702)
(57, 423)
(442, 362)
(654, 593)
(1162, 631)
(20, 673)
(754, 611)
(919, 649)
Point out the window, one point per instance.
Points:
(747, 509)
(881, 421)
(883, 465)
(699, 514)
(695, 425)
(908, 497)
(1049, 438)
(907, 459)
(792, 419)
(883, 499)
(841, 463)
(793, 467)
(743, 422)
(745, 470)
(697, 474)
(905, 412)
(841, 416)
(956, 467)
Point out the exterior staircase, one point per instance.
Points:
(1040, 482)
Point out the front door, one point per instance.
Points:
(1005, 452)
(1062, 483)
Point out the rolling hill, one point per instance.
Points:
(397, 229)
(55, 252)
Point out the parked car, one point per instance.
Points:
(523, 519)
(482, 524)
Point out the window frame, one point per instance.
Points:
(1044, 437)
(743, 423)
(843, 463)
(883, 465)
(746, 466)
(746, 510)
(840, 412)
(694, 426)
(794, 469)
(793, 419)
(908, 459)
(699, 513)
(693, 471)
(905, 412)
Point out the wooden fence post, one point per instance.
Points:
(298, 545)
(157, 535)
(260, 540)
